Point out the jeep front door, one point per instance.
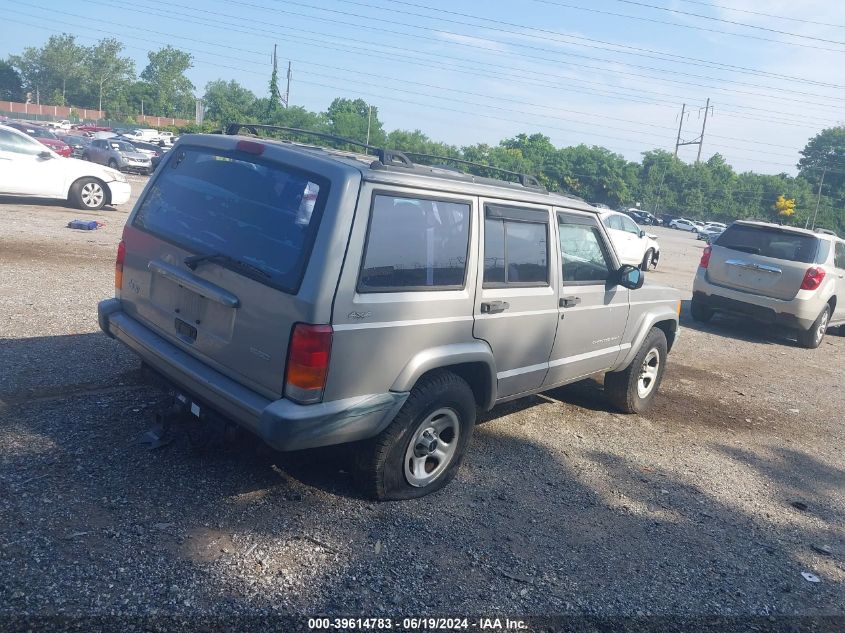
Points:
(516, 297)
(593, 310)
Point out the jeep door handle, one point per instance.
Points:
(494, 307)
(569, 302)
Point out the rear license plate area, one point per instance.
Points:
(185, 330)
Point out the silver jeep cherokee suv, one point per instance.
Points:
(318, 297)
(774, 274)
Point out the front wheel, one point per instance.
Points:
(633, 389)
(812, 338)
(88, 194)
(648, 260)
(422, 449)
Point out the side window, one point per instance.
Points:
(10, 142)
(628, 225)
(515, 247)
(584, 256)
(839, 255)
(614, 223)
(415, 244)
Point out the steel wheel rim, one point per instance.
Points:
(432, 447)
(92, 194)
(822, 327)
(648, 373)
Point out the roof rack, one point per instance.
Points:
(387, 157)
(524, 179)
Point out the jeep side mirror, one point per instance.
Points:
(630, 277)
(642, 233)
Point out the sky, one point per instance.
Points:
(613, 73)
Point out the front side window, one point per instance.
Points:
(11, 142)
(415, 244)
(515, 252)
(260, 216)
(583, 254)
(628, 225)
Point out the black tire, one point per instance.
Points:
(622, 387)
(380, 462)
(645, 266)
(89, 194)
(813, 337)
(113, 163)
(700, 312)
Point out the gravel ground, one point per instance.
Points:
(713, 504)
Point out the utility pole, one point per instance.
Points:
(369, 118)
(680, 125)
(700, 140)
(819, 199)
(287, 89)
(703, 125)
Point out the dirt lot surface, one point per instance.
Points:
(712, 504)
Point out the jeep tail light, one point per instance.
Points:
(812, 278)
(308, 362)
(118, 266)
(705, 257)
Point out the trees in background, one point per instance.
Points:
(99, 77)
(11, 87)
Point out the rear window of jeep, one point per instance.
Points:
(262, 214)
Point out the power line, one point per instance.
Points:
(345, 23)
(733, 22)
(766, 15)
(687, 26)
(568, 39)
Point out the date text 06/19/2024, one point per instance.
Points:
(417, 624)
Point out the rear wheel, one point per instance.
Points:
(88, 194)
(633, 389)
(700, 312)
(422, 449)
(812, 338)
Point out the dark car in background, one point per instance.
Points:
(643, 218)
(77, 143)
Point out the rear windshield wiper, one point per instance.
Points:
(192, 261)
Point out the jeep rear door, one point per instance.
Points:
(516, 298)
(593, 311)
(216, 254)
(764, 260)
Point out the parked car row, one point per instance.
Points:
(29, 168)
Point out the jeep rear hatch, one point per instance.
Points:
(215, 256)
(763, 260)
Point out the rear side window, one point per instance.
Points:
(769, 242)
(415, 244)
(261, 215)
(839, 255)
(515, 250)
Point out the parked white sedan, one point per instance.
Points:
(633, 245)
(684, 225)
(28, 168)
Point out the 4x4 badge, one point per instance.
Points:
(359, 315)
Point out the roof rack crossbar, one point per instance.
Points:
(524, 179)
(386, 156)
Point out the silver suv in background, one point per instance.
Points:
(119, 155)
(321, 297)
(774, 274)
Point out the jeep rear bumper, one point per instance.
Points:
(283, 424)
